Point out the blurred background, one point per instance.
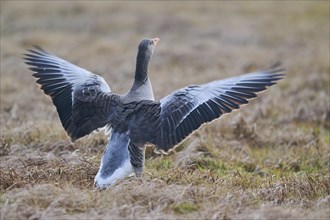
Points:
(200, 42)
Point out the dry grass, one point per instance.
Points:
(269, 160)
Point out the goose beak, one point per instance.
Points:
(155, 40)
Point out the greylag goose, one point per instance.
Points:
(84, 103)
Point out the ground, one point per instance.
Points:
(270, 159)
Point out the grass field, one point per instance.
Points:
(268, 160)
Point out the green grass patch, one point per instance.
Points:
(185, 207)
(160, 163)
(212, 165)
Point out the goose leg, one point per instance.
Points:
(137, 157)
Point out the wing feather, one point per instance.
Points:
(185, 110)
(80, 97)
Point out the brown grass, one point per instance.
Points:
(269, 160)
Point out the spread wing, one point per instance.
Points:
(81, 98)
(185, 110)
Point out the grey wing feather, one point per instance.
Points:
(187, 109)
(144, 122)
(79, 96)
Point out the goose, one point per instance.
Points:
(85, 102)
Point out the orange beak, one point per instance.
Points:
(155, 40)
